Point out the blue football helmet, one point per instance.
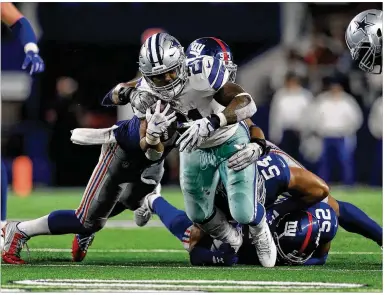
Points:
(214, 47)
(297, 236)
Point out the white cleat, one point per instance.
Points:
(264, 244)
(143, 214)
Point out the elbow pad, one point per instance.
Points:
(248, 110)
(153, 155)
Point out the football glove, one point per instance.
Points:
(200, 256)
(158, 122)
(247, 154)
(195, 135)
(35, 61)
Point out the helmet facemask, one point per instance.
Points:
(367, 55)
(232, 68)
(290, 258)
(173, 89)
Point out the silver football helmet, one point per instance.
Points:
(162, 64)
(364, 40)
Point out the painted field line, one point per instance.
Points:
(182, 284)
(205, 282)
(237, 268)
(171, 251)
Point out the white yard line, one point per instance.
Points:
(180, 284)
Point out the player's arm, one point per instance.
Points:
(249, 153)
(153, 150)
(151, 129)
(238, 104)
(309, 187)
(120, 94)
(212, 77)
(201, 255)
(319, 256)
(22, 28)
(9, 13)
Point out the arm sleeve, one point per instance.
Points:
(23, 30)
(317, 260)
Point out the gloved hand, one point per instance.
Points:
(201, 256)
(194, 136)
(158, 122)
(246, 155)
(35, 61)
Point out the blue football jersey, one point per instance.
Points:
(276, 174)
(327, 220)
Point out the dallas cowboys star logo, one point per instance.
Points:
(362, 25)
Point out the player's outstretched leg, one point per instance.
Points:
(354, 220)
(16, 234)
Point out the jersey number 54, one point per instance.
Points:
(271, 171)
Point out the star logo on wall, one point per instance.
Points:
(362, 25)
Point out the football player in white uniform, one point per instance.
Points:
(199, 91)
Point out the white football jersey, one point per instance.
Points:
(206, 76)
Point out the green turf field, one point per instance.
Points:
(149, 258)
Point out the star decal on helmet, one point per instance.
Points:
(362, 25)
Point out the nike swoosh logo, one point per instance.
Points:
(158, 123)
(208, 65)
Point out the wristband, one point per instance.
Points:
(151, 140)
(217, 120)
(31, 47)
(262, 144)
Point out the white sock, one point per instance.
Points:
(35, 227)
(151, 199)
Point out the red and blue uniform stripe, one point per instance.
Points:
(95, 182)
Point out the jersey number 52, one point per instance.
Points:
(324, 215)
(271, 171)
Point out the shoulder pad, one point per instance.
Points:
(207, 73)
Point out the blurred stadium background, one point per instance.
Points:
(312, 101)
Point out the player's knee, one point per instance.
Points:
(242, 207)
(94, 225)
(241, 216)
(196, 216)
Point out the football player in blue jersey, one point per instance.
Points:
(33, 63)
(123, 176)
(21, 27)
(350, 217)
(301, 237)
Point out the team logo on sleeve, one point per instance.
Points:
(196, 48)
